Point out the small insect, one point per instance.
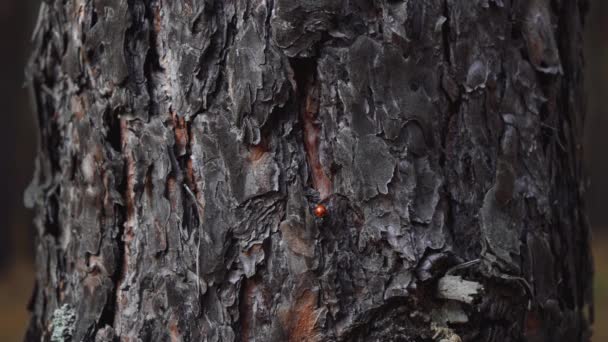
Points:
(320, 211)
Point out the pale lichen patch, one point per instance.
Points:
(63, 323)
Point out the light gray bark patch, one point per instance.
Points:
(105, 334)
(216, 192)
(385, 90)
(413, 139)
(398, 236)
(477, 76)
(501, 233)
(299, 233)
(543, 274)
(191, 41)
(505, 166)
(395, 15)
(262, 176)
(137, 53)
(257, 81)
(444, 334)
(450, 312)
(250, 259)
(433, 236)
(257, 218)
(241, 197)
(298, 26)
(107, 39)
(383, 223)
(293, 234)
(157, 168)
(458, 289)
(374, 165)
(92, 297)
(248, 177)
(343, 155)
(426, 192)
(538, 32)
(398, 285)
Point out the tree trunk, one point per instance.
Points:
(280, 170)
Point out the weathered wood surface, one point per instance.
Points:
(184, 145)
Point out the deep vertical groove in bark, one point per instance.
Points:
(185, 145)
(307, 90)
(445, 30)
(125, 232)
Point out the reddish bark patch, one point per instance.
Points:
(157, 20)
(532, 325)
(190, 174)
(256, 152)
(181, 133)
(174, 330)
(254, 249)
(246, 308)
(301, 320)
(77, 107)
(172, 193)
(92, 282)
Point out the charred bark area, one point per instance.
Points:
(186, 144)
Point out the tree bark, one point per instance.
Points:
(186, 147)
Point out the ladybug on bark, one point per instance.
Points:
(320, 210)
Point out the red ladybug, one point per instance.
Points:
(320, 211)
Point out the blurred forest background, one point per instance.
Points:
(18, 139)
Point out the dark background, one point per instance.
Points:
(18, 141)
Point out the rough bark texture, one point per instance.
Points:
(185, 144)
